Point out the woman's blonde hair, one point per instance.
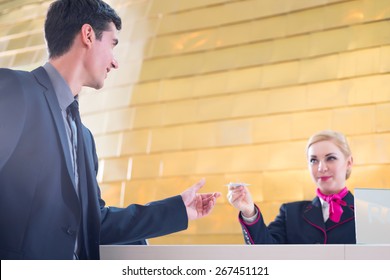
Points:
(336, 138)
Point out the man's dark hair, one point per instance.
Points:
(66, 17)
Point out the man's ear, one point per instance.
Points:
(87, 34)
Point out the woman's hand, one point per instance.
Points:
(241, 199)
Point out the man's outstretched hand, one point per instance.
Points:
(198, 205)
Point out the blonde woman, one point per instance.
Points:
(327, 219)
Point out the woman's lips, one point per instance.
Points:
(324, 178)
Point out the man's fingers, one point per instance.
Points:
(199, 184)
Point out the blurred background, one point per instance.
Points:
(228, 91)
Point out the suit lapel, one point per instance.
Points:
(348, 213)
(89, 196)
(313, 214)
(51, 98)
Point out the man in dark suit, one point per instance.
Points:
(50, 203)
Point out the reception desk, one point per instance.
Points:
(245, 252)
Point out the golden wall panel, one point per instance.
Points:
(135, 142)
(185, 42)
(214, 161)
(283, 186)
(369, 62)
(384, 54)
(3, 45)
(180, 112)
(144, 28)
(214, 108)
(304, 4)
(370, 89)
(145, 93)
(371, 149)
(288, 155)
(192, 4)
(328, 94)
(250, 104)
(356, 120)
(119, 120)
(169, 6)
(304, 21)
(348, 13)
(253, 54)
(115, 169)
(108, 145)
(145, 166)
(24, 58)
(215, 83)
(368, 35)
(286, 99)
(217, 61)
(176, 89)
(199, 136)
(303, 125)
(382, 117)
(245, 32)
(140, 191)
(319, 69)
(112, 193)
(37, 40)
(271, 8)
(272, 128)
(309, 188)
(267, 28)
(113, 98)
(96, 122)
(370, 177)
(18, 43)
(253, 158)
(179, 163)
(147, 116)
(282, 74)
(231, 35)
(291, 48)
(166, 139)
(332, 41)
(234, 133)
(6, 61)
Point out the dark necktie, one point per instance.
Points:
(79, 157)
(78, 145)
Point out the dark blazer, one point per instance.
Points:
(302, 223)
(40, 213)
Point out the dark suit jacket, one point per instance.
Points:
(302, 223)
(40, 213)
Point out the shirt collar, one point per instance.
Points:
(64, 94)
(324, 204)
